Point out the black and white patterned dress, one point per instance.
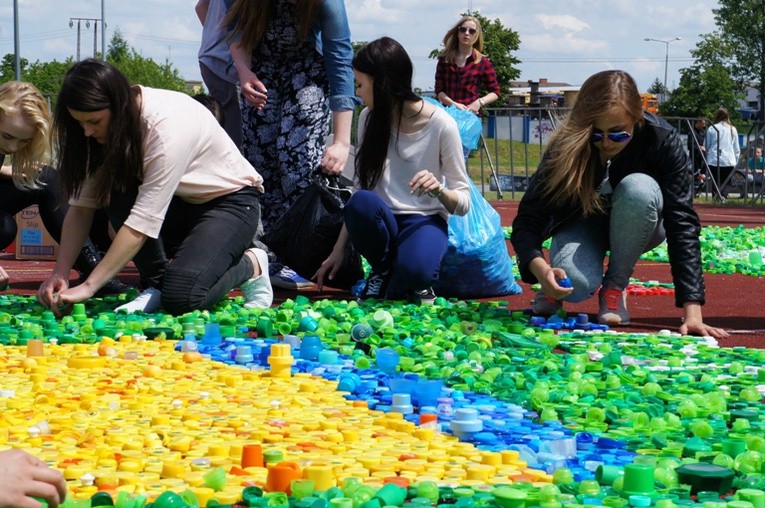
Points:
(284, 141)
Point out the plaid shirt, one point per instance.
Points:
(462, 84)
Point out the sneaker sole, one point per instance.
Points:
(280, 283)
(614, 321)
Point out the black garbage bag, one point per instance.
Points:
(306, 234)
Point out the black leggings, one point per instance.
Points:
(53, 207)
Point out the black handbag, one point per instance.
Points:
(306, 234)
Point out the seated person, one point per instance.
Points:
(756, 165)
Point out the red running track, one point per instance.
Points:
(734, 302)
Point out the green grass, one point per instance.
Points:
(507, 156)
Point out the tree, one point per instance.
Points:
(141, 70)
(742, 27)
(498, 44)
(707, 84)
(657, 87)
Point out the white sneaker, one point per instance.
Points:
(258, 292)
(150, 300)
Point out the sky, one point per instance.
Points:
(562, 40)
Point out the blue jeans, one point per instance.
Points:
(631, 226)
(199, 255)
(409, 246)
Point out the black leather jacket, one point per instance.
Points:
(656, 150)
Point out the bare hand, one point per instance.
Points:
(50, 288)
(693, 327)
(459, 106)
(5, 279)
(335, 157)
(424, 182)
(329, 266)
(253, 90)
(550, 286)
(475, 107)
(24, 477)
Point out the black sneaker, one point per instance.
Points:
(376, 287)
(424, 296)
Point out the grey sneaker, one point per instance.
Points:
(613, 307)
(258, 293)
(545, 306)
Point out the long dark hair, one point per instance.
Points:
(93, 85)
(391, 69)
(250, 19)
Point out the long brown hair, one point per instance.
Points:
(250, 19)
(452, 41)
(93, 85)
(20, 98)
(571, 160)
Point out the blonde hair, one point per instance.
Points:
(20, 98)
(452, 42)
(571, 160)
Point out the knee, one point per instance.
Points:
(180, 291)
(636, 189)
(361, 202)
(584, 288)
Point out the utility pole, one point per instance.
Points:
(103, 32)
(87, 25)
(16, 45)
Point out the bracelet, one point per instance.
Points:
(480, 101)
(438, 193)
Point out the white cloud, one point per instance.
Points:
(563, 41)
(566, 22)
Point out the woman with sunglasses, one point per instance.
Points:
(614, 179)
(462, 68)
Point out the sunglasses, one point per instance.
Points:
(464, 29)
(616, 137)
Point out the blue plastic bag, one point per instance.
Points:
(476, 263)
(468, 123)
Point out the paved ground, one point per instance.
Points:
(734, 302)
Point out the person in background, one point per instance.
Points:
(25, 135)
(24, 479)
(183, 199)
(722, 149)
(756, 166)
(294, 65)
(614, 178)
(217, 67)
(463, 71)
(213, 105)
(410, 175)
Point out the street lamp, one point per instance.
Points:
(666, 55)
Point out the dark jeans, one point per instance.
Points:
(228, 95)
(199, 255)
(52, 205)
(410, 245)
